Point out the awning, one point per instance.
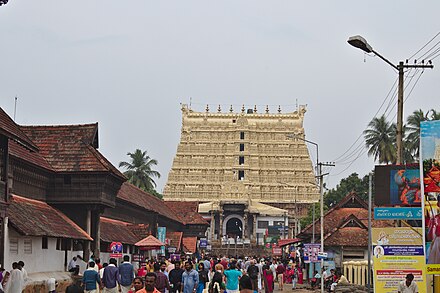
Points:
(289, 241)
(32, 217)
(150, 242)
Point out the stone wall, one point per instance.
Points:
(350, 289)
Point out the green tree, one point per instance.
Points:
(347, 185)
(380, 140)
(435, 115)
(413, 127)
(140, 171)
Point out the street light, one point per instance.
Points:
(360, 43)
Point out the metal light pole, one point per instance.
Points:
(370, 191)
(360, 43)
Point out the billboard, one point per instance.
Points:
(397, 185)
(311, 251)
(430, 172)
(396, 253)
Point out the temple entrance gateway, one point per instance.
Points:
(234, 228)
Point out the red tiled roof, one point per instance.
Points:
(149, 241)
(23, 153)
(130, 193)
(348, 236)
(70, 148)
(336, 219)
(36, 218)
(117, 231)
(190, 244)
(175, 239)
(12, 130)
(187, 211)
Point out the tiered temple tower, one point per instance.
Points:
(245, 158)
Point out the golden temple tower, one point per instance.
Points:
(251, 158)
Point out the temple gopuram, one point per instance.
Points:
(250, 172)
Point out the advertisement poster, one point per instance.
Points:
(405, 187)
(396, 253)
(161, 233)
(116, 249)
(397, 185)
(430, 165)
(311, 251)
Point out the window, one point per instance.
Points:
(27, 246)
(241, 175)
(241, 160)
(263, 224)
(64, 244)
(13, 245)
(241, 147)
(241, 134)
(44, 242)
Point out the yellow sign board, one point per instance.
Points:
(396, 253)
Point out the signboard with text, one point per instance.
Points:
(396, 253)
(311, 251)
(161, 233)
(398, 213)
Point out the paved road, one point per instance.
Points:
(288, 288)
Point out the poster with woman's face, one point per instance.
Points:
(430, 173)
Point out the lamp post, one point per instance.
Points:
(360, 43)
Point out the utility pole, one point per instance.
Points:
(370, 191)
(321, 192)
(360, 43)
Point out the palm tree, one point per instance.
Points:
(435, 115)
(413, 126)
(380, 140)
(139, 170)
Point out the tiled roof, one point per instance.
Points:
(12, 130)
(348, 236)
(36, 218)
(23, 153)
(175, 239)
(130, 193)
(350, 209)
(149, 241)
(190, 244)
(117, 231)
(70, 148)
(187, 211)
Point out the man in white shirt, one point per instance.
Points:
(15, 284)
(408, 286)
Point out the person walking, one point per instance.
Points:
(203, 277)
(15, 283)
(110, 277)
(175, 277)
(91, 278)
(268, 279)
(162, 282)
(280, 269)
(232, 275)
(150, 280)
(253, 271)
(126, 274)
(190, 279)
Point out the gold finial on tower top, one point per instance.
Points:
(231, 110)
(242, 109)
(219, 109)
(207, 108)
(267, 109)
(279, 108)
(255, 108)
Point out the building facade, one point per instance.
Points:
(241, 166)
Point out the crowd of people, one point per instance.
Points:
(207, 275)
(14, 280)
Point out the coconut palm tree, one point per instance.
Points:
(139, 170)
(380, 140)
(435, 115)
(413, 127)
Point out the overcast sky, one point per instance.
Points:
(129, 64)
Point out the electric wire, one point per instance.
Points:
(424, 46)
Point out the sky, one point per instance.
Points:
(129, 64)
